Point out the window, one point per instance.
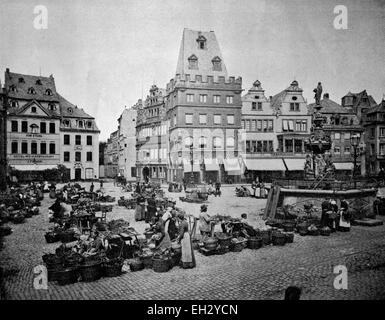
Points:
(13, 104)
(202, 119)
(34, 128)
(33, 148)
(38, 82)
(347, 150)
(89, 156)
(21, 80)
(24, 147)
(265, 123)
(247, 146)
(193, 62)
(347, 135)
(253, 106)
(259, 146)
(298, 146)
(382, 132)
(51, 128)
(43, 127)
(14, 147)
(12, 88)
(253, 125)
(80, 124)
(78, 156)
(201, 42)
(270, 125)
(190, 97)
(337, 136)
(337, 150)
(289, 145)
(294, 106)
(230, 119)
(230, 142)
(189, 118)
(203, 98)
(372, 132)
(174, 119)
(259, 106)
(270, 146)
(264, 146)
(217, 65)
(66, 123)
(217, 119)
(43, 148)
(66, 156)
(31, 90)
(89, 124)
(382, 149)
(78, 140)
(33, 109)
(217, 142)
(52, 148)
(89, 140)
(253, 146)
(188, 141)
(133, 172)
(247, 125)
(52, 106)
(217, 99)
(24, 126)
(202, 142)
(229, 99)
(294, 98)
(288, 125)
(259, 125)
(66, 139)
(48, 92)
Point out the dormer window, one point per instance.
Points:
(89, 124)
(21, 80)
(201, 42)
(38, 82)
(80, 124)
(48, 92)
(34, 128)
(217, 64)
(33, 109)
(193, 62)
(12, 88)
(66, 123)
(13, 104)
(52, 106)
(31, 90)
(69, 109)
(294, 98)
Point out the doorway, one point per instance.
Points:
(78, 174)
(146, 173)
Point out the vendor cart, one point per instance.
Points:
(196, 195)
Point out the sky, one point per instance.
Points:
(105, 55)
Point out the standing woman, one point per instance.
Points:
(188, 258)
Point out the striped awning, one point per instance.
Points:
(343, 165)
(265, 164)
(187, 166)
(295, 164)
(211, 165)
(34, 167)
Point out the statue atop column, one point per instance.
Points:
(318, 93)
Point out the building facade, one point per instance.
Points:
(111, 155)
(276, 129)
(341, 124)
(79, 138)
(127, 143)
(375, 139)
(203, 106)
(33, 129)
(3, 138)
(152, 133)
(360, 103)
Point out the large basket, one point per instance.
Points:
(66, 276)
(51, 237)
(136, 265)
(224, 240)
(113, 268)
(160, 264)
(325, 232)
(278, 239)
(254, 243)
(91, 271)
(289, 237)
(147, 261)
(237, 247)
(288, 226)
(266, 236)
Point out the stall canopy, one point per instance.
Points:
(232, 166)
(34, 167)
(343, 165)
(265, 164)
(211, 165)
(187, 166)
(295, 164)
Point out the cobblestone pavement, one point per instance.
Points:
(250, 274)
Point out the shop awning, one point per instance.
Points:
(211, 165)
(265, 164)
(295, 164)
(33, 167)
(343, 165)
(187, 166)
(232, 167)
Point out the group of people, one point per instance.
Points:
(337, 219)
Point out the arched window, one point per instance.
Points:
(201, 42)
(202, 142)
(217, 142)
(31, 90)
(188, 142)
(12, 88)
(80, 124)
(13, 104)
(34, 128)
(230, 142)
(193, 62)
(48, 92)
(38, 82)
(66, 123)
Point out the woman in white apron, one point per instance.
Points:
(345, 217)
(184, 238)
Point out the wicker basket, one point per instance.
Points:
(147, 260)
(325, 232)
(288, 227)
(91, 271)
(175, 259)
(161, 264)
(313, 232)
(66, 276)
(224, 240)
(113, 268)
(254, 243)
(278, 239)
(266, 236)
(136, 265)
(237, 247)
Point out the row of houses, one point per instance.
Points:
(43, 129)
(201, 127)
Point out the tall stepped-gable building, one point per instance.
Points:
(33, 122)
(204, 109)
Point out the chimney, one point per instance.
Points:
(7, 70)
(271, 98)
(326, 96)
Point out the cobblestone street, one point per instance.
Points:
(250, 274)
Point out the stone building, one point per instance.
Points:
(3, 138)
(341, 124)
(111, 155)
(203, 106)
(127, 143)
(152, 143)
(358, 102)
(374, 125)
(33, 130)
(79, 138)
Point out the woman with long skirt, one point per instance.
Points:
(184, 238)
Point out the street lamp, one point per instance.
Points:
(192, 163)
(355, 141)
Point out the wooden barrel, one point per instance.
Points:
(254, 243)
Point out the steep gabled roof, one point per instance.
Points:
(29, 81)
(330, 106)
(379, 108)
(69, 110)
